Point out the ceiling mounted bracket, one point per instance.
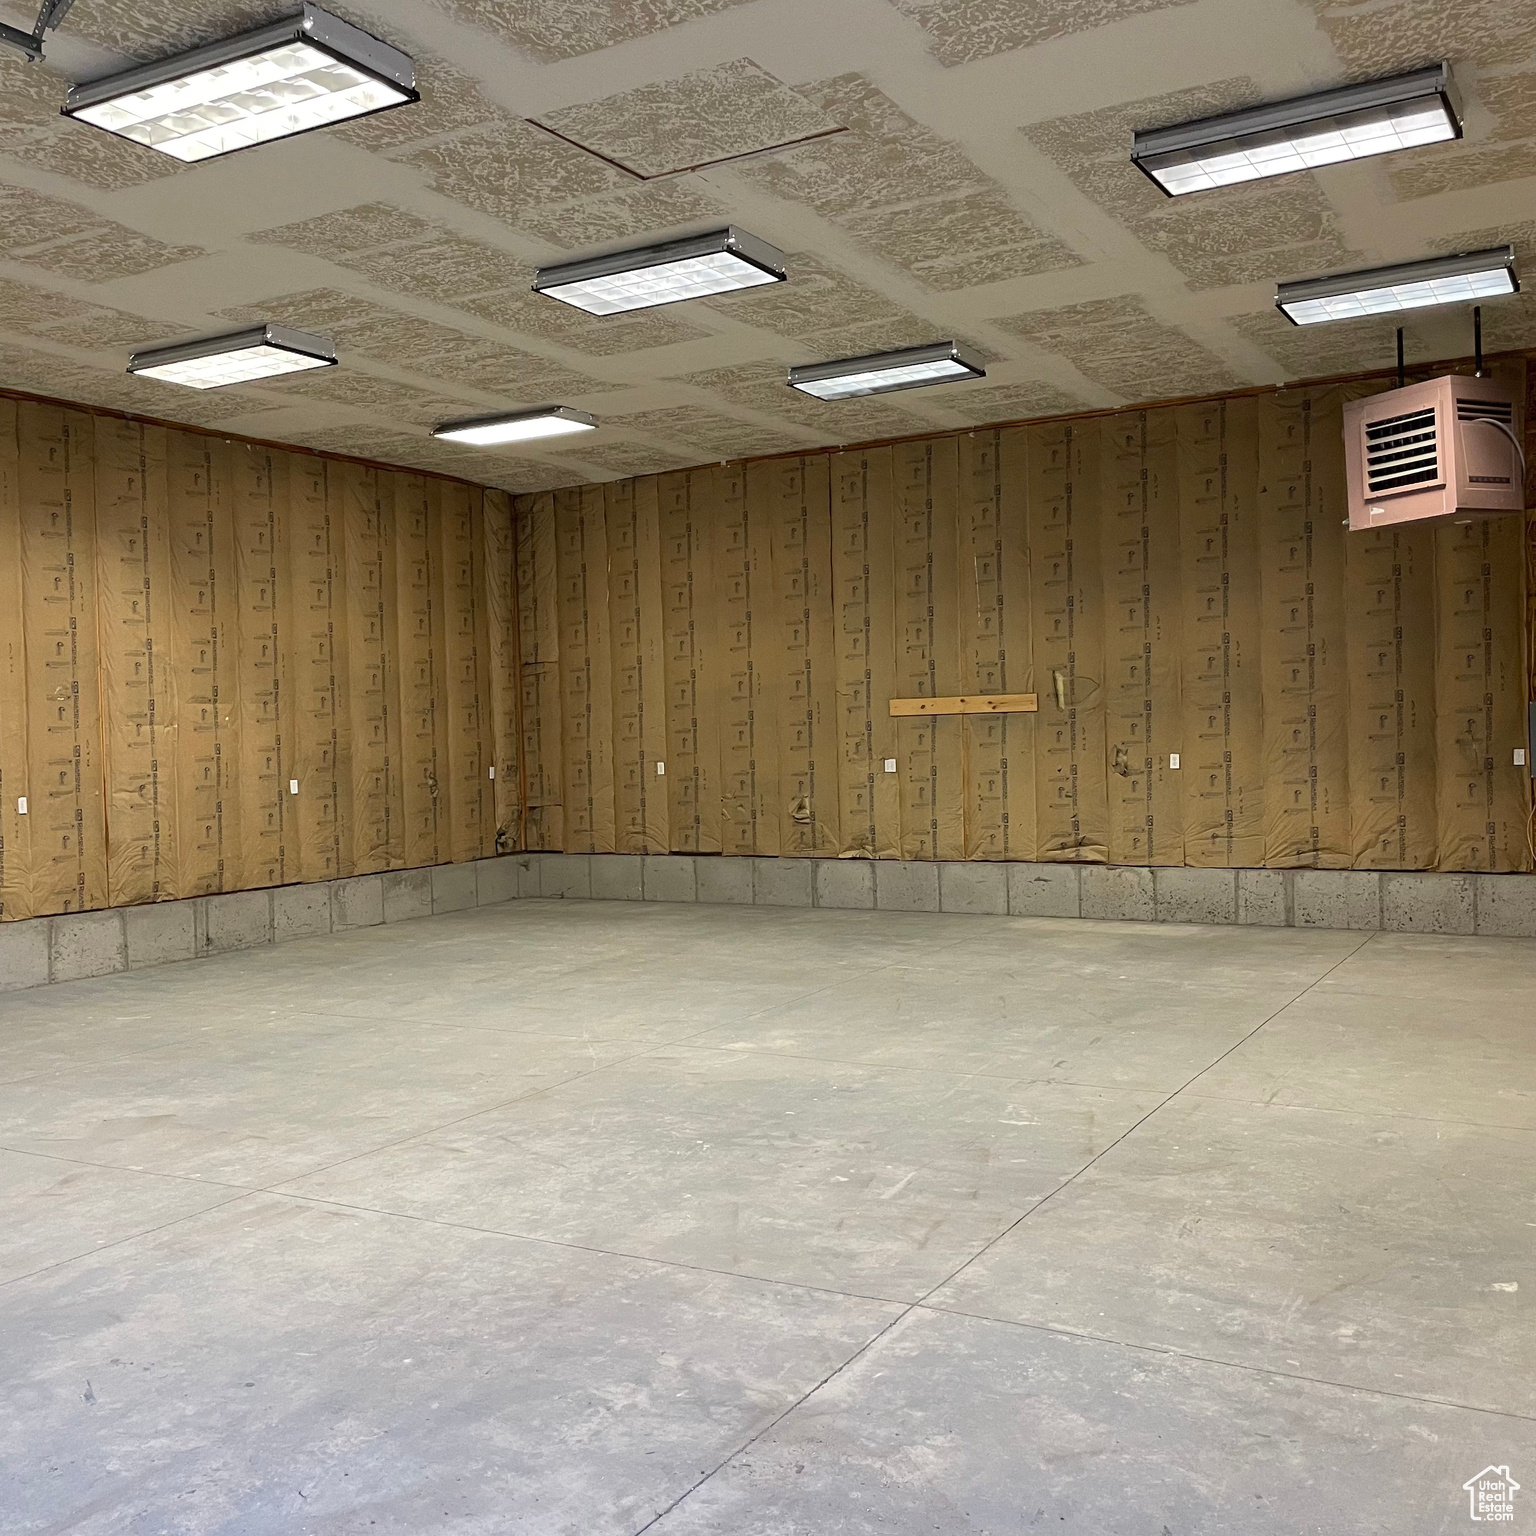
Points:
(31, 43)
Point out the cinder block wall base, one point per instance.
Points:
(41, 950)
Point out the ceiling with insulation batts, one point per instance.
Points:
(933, 169)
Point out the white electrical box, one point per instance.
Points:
(661, 770)
(890, 765)
(1173, 759)
(293, 786)
(21, 806)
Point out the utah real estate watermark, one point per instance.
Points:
(1491, 1495)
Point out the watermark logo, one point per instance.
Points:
(1492, 1494)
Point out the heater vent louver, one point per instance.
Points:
(1486, 410)
(1401, 451)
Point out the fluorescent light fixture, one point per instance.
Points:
(1413, 285)
(882, 372)
(307, 71)
(517, 427)
(1350, 123)
(694, 268)
(241, 357)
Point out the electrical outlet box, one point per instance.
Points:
(1519, 757)
(21, 806)
(890, 765)
(493, 770)
(1173, 759)
(661, 770)
(293, 786)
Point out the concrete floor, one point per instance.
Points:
(601, 1218)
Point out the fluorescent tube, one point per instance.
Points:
(882, 372)
(722, 261)
(306, 72)
(517, 427)
(240, 357)
(1411, 285)
(1350, 123)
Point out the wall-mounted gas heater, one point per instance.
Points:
(1447, 450)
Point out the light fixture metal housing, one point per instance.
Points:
(696, 267)
(238, 357)
(292, 76)
(516, 426)
(881, 373)
(1463, 279)
(1351, 122)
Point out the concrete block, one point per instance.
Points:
(845, 883)
(1336, 898)
(726, 880)
(529, 873)
(1195, 895)
(1506, 905)
(565, 876)
(618, 877)
(161, 932)
(1045, 890)
(1118, 892)
(238, 920)
(86, 944)
(407, 894)
(782, 882)
(300, 911)
(669, 877)
(357, 903)
(1263, 897)
(906, 886)
(979, 887)
(1427, 902)
(453, 887)
(24, 954)
(495, 880)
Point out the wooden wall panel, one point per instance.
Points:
(456, 511)
(538, 630)
(586, 669)
(373, 716)
(686, 510)
(998, 751)
(1071, 793)
(1143, 590)
(925, 585)
(503, 667)
(203, 651)
(17, 892)
(747, 679)
(1306, 691)
(797, 493)
(864, 613)
(67, 866)
(138, 681)
(1223, 734)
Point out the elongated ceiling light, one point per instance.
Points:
(263, 352)
(693, 268)
(1413, 285)
(518, 427)
(1350, 123)
(305, 72)
(881, 372)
